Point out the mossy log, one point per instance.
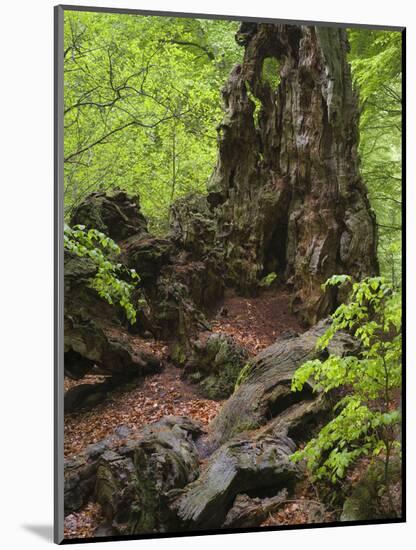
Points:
(265, 389)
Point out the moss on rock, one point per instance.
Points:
(366, 499)
(216, 363)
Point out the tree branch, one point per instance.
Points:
(208, 52)
(119, 129)
(392, 227)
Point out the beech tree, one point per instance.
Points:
(287, 189)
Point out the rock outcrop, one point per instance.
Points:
(175, 290)
(117, 215)
(86, 342)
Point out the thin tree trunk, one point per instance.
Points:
(173, 186)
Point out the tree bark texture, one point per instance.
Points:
(286, 192)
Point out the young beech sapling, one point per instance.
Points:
(108, 280)
(367, 418)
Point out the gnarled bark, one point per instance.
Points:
(286, 191)
(252, 464)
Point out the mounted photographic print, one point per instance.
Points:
(229, 273)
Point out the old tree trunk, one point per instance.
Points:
(286, 190)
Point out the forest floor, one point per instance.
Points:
(254, 322)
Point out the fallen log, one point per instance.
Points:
(265, 384)
(252, 465)
(150, 481)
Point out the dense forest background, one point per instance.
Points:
(142, 104)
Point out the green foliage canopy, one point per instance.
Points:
(142, 102)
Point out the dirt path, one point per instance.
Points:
(256, 322)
